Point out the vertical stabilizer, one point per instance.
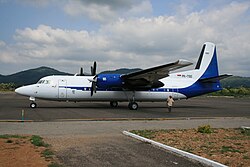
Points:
(207, 62)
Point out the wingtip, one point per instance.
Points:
(184, 62)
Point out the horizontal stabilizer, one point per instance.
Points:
(215, 79)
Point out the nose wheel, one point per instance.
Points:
(33, 105)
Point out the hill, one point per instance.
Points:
(236, 82)
(30, 76)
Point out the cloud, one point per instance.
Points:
(2, 44)
(107, 11)
(136, 41)
(141, 9)
(100, 13)
(48, 42)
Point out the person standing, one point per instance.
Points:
(170, 102)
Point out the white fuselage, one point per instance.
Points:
(77, 88)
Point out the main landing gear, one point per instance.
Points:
(113, 104)
(132, 105)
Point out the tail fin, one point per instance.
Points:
(207, 62)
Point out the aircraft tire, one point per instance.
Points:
(33, 105)
(133, 106)
(113, 103)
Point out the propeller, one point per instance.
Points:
(94, 80)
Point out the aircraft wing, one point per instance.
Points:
(155, 73)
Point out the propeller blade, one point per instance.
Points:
(93, 69)
(94, 80)
(81, 72)
(93, 88)
(93, 85)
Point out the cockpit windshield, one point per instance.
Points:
(44, 82)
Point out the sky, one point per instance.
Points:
(67, 34)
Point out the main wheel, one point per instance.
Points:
(133, 106)
(33, 105)
(113, 103)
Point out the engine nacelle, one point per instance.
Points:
(106, 81)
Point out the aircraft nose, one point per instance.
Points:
(19, 90)
(24, 90)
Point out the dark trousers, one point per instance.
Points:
(169, 108)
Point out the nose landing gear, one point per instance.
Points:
(33, 104)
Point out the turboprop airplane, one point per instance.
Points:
(152, 84)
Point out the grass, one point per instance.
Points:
(7, 136)
(148, 133)
(47, 153)
(245, 132)
(38, 141)
(246, 157)
(144, 133)
(205, 129)
(229, 149)
(54, 164)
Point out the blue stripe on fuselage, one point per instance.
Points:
(198, 88)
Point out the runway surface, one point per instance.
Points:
(12, 104)
(100, 143)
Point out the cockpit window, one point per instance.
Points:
(40, 81)
(44, 82)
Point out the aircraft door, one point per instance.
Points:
(62, 88)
